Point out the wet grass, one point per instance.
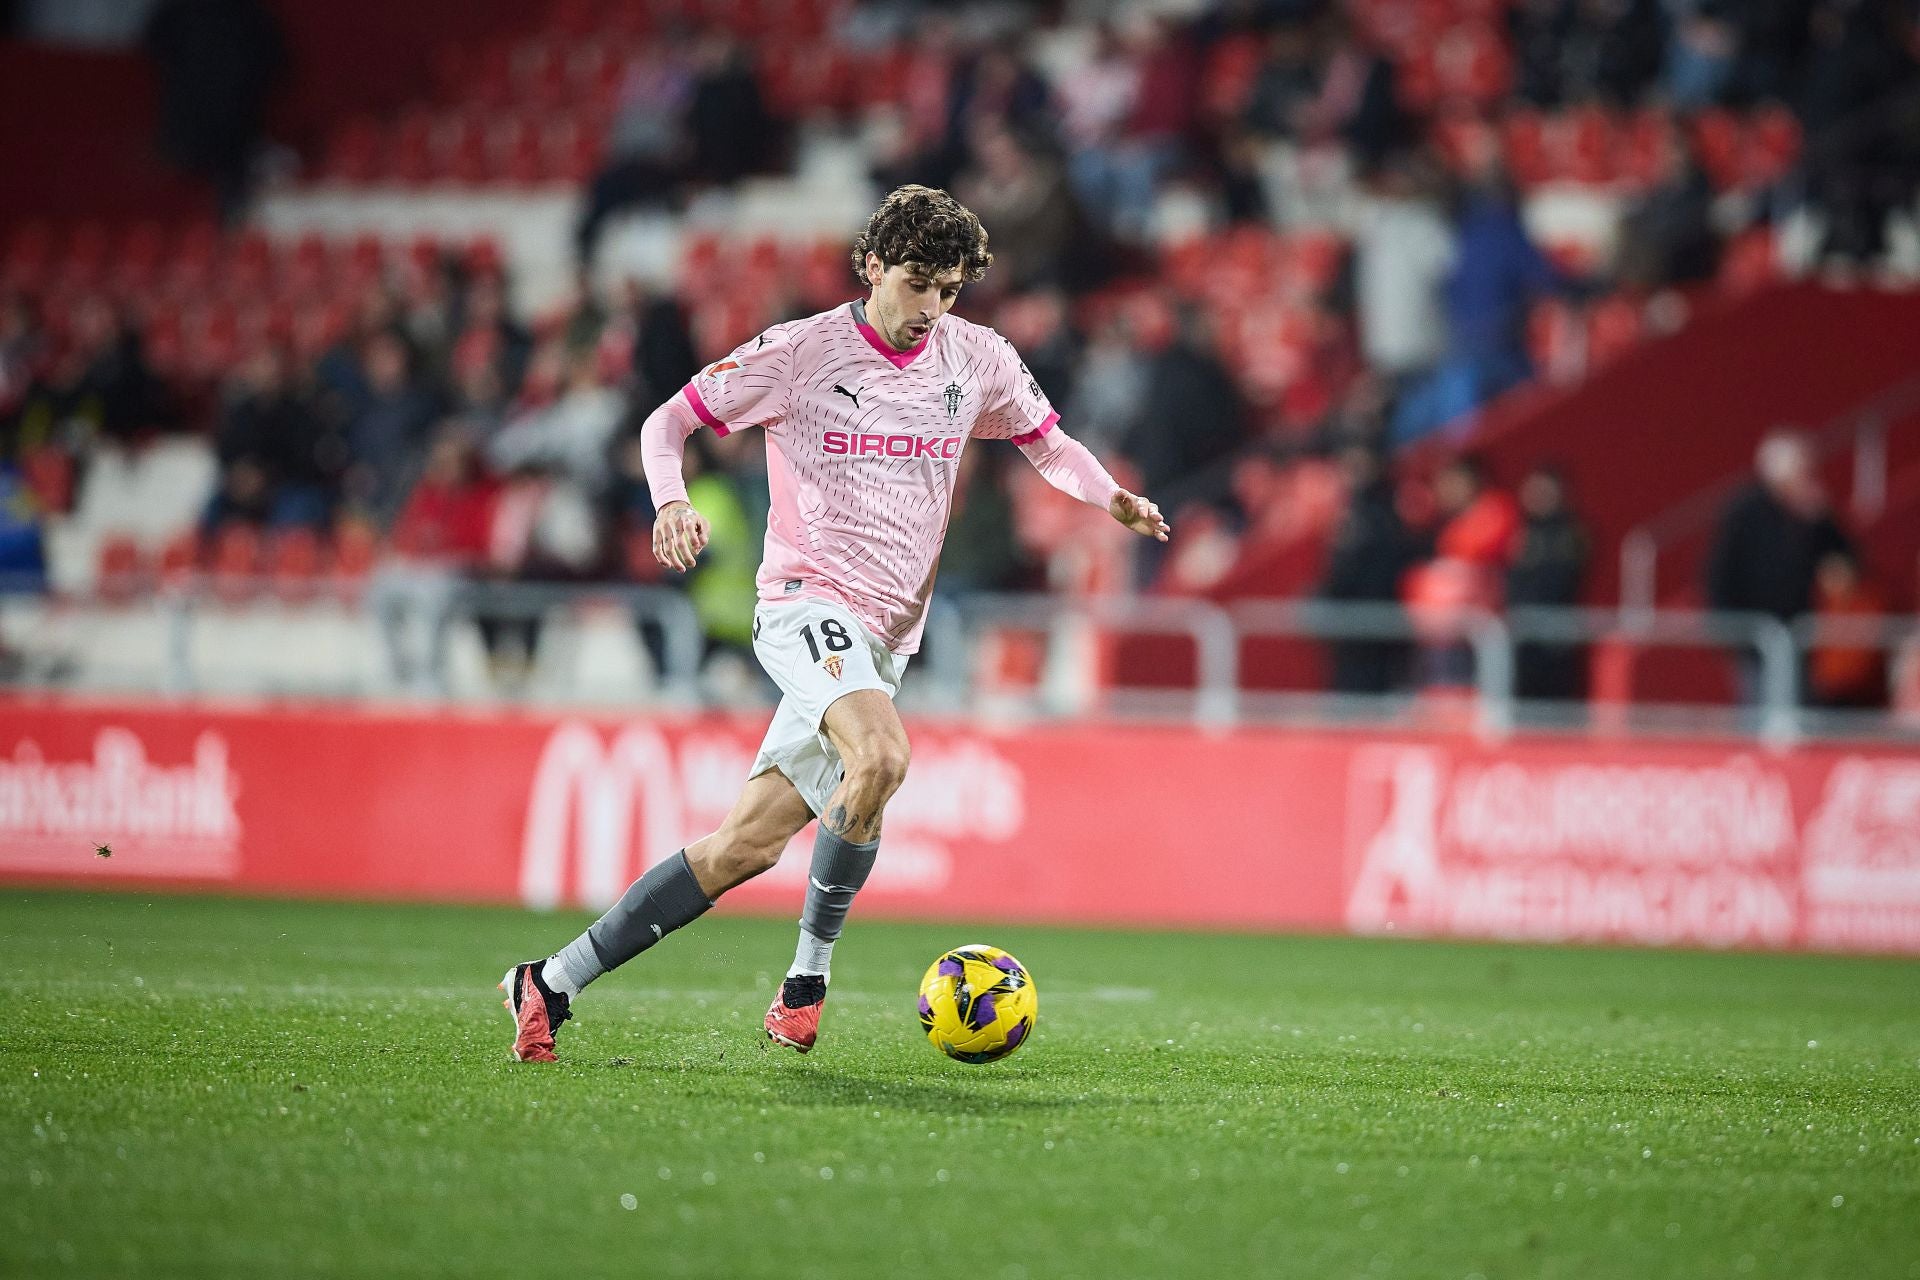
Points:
(196, 1087)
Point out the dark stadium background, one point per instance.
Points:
(1453, 336)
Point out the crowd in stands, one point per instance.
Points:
(1250, 254)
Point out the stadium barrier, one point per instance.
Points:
(1697, 843)
(340, 641)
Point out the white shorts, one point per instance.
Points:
(817, 654)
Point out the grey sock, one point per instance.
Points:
(656, 904)
(839, 868)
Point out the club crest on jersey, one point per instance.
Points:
(833, 664)
(719, 367)
(954, 392)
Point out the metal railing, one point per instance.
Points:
(192, 640)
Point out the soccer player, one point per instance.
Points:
(867, 408)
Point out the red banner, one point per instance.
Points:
(1549, 839)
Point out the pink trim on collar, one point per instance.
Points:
(899, 359)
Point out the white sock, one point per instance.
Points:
(555, 975)
(812, 956)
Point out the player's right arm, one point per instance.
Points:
(749, 388)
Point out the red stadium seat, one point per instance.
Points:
(122, 572)
(1749, 262)
(141, 253)
(235, 560)
(29, 256)
(1639, 147)
(1529, 150)
(180, 559)
(1717, 136)
(87, 254)
(355, 548)
(48, 474)
(1613, 327)
(295, 562)
(354, 152)
(1591, 147)
(1771, 146)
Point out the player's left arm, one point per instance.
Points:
(1020, 412)
(1070, 467)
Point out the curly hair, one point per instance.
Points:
(927, 227)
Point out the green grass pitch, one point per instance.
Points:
(217, 1088)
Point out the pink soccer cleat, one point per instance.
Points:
(793, 1019)
(537, 1011)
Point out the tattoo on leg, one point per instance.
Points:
(836, 821)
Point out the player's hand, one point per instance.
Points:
(1138, 514)
(679, 536)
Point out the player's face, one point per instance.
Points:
(908, 299)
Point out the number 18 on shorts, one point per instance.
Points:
(817, 654)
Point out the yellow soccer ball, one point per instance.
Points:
(978, 1004)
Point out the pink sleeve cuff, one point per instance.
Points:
(705, 414)
(1030, 436)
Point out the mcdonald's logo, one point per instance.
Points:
(598, 815)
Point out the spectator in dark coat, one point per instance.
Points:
(1372, 550)
(1771, 540)
(217, 61)
(279, 465)
(1192, 419)
(1549, 566)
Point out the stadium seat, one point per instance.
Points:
(122, 571)
(234, 562)
(295, 561)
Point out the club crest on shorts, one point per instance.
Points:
(832, 664)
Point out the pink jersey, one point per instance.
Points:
(864, 447)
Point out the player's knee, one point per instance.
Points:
(883, 767)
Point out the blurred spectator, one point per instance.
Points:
(545, 528)
(440, 538)
(100, 385)
(1287, 83)
(1479, 521)
(23, 560)
(728, 128)
(488, 332)
(1111, 175)
(1372, 550)
(983, 550)
(1191, 420)
(648, 146)
(1037, 326)
(217, 62)
(1109, 386)
(654, 328)
(386, 436)
(1667, 236)
(1479, 524)
(721, 584)
(23, 351)
(994, 91)
(1498, 272)
(1702, 56)
(1358, 103)
(1844, 673)
(279, 465)
(1574, 51)
(1549, 568)
(1771, 540)
(571, 437)
(1024, 197)
(1403, 251)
